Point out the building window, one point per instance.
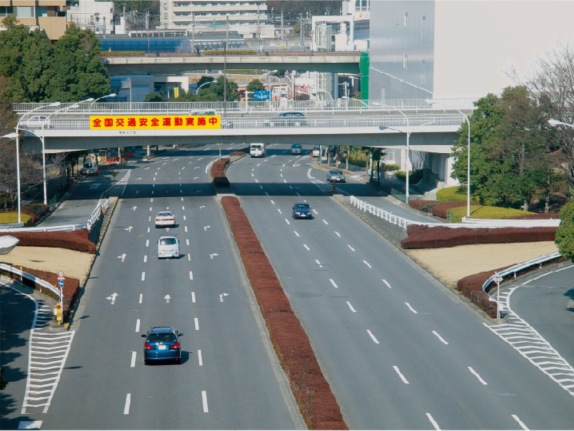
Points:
(165, 16)
(25, 11)
(424, 29)
(6, 10)
(405, 61)
(406, 19)
(165, 6)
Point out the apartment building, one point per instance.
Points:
(93, 15)
(49, 15)
(247, 17)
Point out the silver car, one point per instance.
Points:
(167, 246)
(336, 176)
(164, 218)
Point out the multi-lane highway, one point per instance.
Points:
(399, 350)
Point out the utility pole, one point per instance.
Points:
(281, 24)
(301, 27)
(225, 67)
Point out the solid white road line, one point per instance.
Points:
(367, 263)
(524, 427)
(193, 297)
(200, 358)
(439, 337)
(134, 355)
(196, 322)
(333, 283)
(351, 307)
(477, 376)
(307, 247)
(352, 249)
(388, 285)
(411, 308)
(372, 336)
(204, 398)
(433, 422)
(138, 325)
(405, 381)
(127, 406)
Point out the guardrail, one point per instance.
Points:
(378, 212)
(496, 223)
(100, 208)
(31, 279)
(513, 270)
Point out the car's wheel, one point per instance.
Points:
(146, 362)
(178, 361)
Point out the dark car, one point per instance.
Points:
(287, 119)
(336, 176)
(162, 344)
(302, 210)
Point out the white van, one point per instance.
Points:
(168, 246)
(257, 150)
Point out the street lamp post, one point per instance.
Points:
(431, 102)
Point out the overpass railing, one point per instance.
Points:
(394, 122)
(242, 107)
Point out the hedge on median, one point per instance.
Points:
(218, 172)
(421, 236)
(471, 287)
(311, 390)
(77, 240)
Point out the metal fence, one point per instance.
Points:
(378, 212)
(23, 274)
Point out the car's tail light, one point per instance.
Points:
(148, 346)
(175, 346)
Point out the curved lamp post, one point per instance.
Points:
(432, 102)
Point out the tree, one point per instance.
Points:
(255, 85)
(565, 232)
(153, 97)
(217, 89)
(3, 382)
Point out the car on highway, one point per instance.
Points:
(89, 168)
(168, 246)
(336, 176)
(257, 149)
(302, 210)
(286, 119)
(162, 344)
(316, 151)
(164, 218)
(37, 121)
(296, 149)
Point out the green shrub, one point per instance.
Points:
(414, 176)
(452, 194)
(486, 212)
(391, 167)
(12, 217)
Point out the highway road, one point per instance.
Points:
(228, 378)
(400, 351)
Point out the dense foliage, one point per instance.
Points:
(565, 233)
(36, 70)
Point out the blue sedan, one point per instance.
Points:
(162, 344)
(302, 210)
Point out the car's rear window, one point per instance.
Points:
(161, 338)
(168, 241)
(164, 214)
(302, 206)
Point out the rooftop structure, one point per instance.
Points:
(49, 15)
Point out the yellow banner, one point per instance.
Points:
(149, 122)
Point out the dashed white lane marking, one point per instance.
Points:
(477, 376)
(191, 275)
(531, 345)
(433, 422)
(134, 355)
(325, 221)
(306, 247)
(272, 202)
(279, 209)
(187, 242)
(287, 221)
(141, 298)
(204, 400)
(338, 234)
(295, 232)
(372, 336)
(318, 263)
(405, 381)
(143, 276)
(193, 297)
(200, 358)
(411, 308)
(314, 210)
(517, 419)
(351, 307)
(138, 325)
(196, 323)
(185, 228)
(388, 285)
(333, 283)
(439, 337)
(352, 249)
(147, 242)
(127, 405)
(367, 263)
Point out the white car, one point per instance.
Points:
(168, 246)
(37, 121)
(296, 149)
(164, 218)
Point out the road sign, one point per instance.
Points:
(60, 273)
(60, 282)
(498, 278)
(261, 95)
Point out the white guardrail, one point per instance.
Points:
(23, 274)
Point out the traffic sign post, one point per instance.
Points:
(498, 279)
(58, 309)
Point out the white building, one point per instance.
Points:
(247, 17)
(360, 9)
(466, 47)
(93, 15)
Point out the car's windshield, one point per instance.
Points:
(296, 146)
(256, 146)
(167, 241)
(161, 338)
(302, 206)
(334, 172)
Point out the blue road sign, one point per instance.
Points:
(261, 95)
(60, 282)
